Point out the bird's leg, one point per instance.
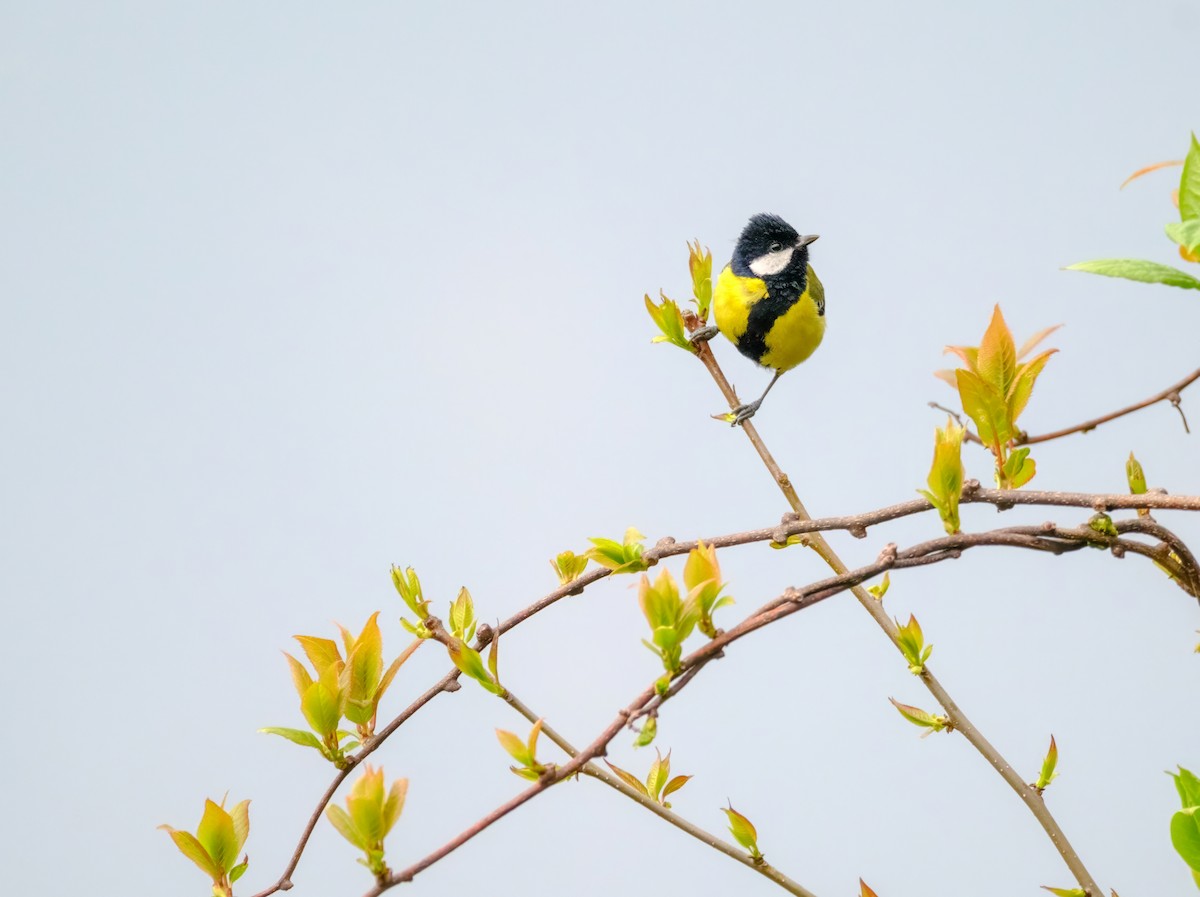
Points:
(704, 334)
(745, 412)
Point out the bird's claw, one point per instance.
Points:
(743, 413)
(704, 334)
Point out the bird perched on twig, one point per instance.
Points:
(768, 301)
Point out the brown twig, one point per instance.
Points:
(1170, 394)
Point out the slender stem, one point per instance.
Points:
(603, 775)
(958, 718)
(1170, 394)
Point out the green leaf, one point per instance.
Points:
(1139, 270)
(515, 746)
(649, 730)
(1019, 468)
(1188, 786)
(296, 736)
(669, 320)
(238, 871)
(1185, 836)
(320, 708)
(345, 825)
(191, 848)
(217, 834)
(568, 566)
(743, 831)
(1066, 892)
(628, 778)
(884, 584)
(1189, 183)
(462, 613)
(945, 478)
(919, 717)
(1047, 774)
(1135, 476)
(985, 406)
(1186, 234)
(468, 660)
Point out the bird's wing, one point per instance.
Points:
(816, 290)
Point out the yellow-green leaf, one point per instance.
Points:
(997, 360)
(321, 652)
(1140, 270)
(217, 834)
(985, 406)
(629, 779)
(1047, 774)
(515, 746)
(320, 707)
(1189, 184)
(194, 851)
(345, 825)
(743, 831)
(300, 677)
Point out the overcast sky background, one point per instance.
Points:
(293, 292)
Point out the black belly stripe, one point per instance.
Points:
(781, 295)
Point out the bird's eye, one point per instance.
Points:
(776, 247)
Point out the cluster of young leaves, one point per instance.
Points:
(371, 812)
(1184, 233)
(994, 389)
(409, 587)
(702, 579)
(672, 618)
(743, 832)
(912, 645)
(666, 313)
(218, 841)
(659, 785)
(619, 557)
(347, 687)
(467, 659)
(523, 751)
(945, 476)
(1185, 824)
(568, 566)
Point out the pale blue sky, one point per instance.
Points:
(293, 292)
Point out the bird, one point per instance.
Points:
(768, 301)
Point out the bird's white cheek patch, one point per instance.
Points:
(772, 262)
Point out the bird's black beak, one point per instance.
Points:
(804, 241)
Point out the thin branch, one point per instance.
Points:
(1170, 394)
(603, 775)
(856, 524)
(1048, 537)
(958, 718)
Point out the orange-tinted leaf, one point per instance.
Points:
(969, 355)
(997, 361)
(865, 891)
(946, 376)
(1022, 385)
(1032, 343)
(628, 778)
(321, 652)
(300, 677)
(1149, 168)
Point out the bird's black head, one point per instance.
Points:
(769, 247)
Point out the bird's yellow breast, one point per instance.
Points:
(777, 335)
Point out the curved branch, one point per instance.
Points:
(1170, 394)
